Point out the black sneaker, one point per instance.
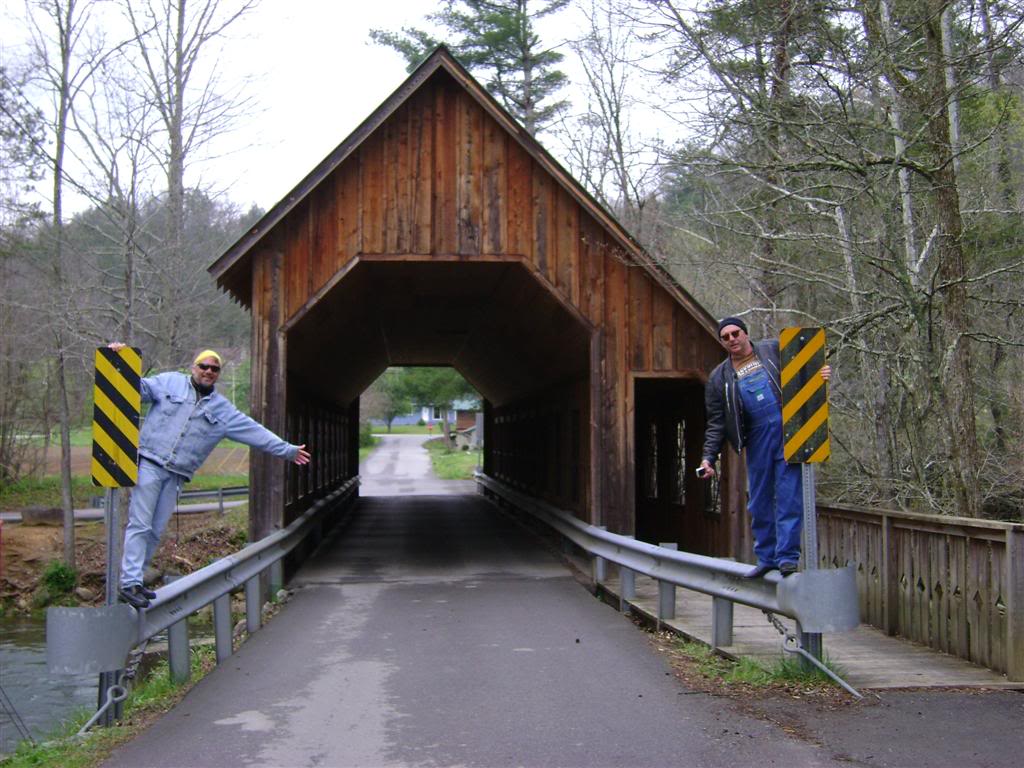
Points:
(759, 571)
(149, 594)
(134, 596)
(788, 569)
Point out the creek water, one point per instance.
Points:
(42, 700)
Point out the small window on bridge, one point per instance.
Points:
(679, 464)
(651, 475)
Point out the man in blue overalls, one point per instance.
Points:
(743, 399)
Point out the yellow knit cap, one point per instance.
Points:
(205, 354)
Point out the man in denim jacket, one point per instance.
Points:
(186, 420)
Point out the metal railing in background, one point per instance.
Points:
(85, 640)
(221, 493)
(185, 497)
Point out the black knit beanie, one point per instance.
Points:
(732, 321)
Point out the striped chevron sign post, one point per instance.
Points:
(115, 418)
(804, 396)
(115, 464)
(805, 432)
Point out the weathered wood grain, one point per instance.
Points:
(943, 582)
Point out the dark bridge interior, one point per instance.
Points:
(492, 321)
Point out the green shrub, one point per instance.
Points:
(59, 578)
(365, 434)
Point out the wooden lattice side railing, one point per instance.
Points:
(951, 583)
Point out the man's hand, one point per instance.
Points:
(117, 346)
(709, 471)
(303, 456)
(826, 372)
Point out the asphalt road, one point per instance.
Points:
(400, 466)
(432, 631)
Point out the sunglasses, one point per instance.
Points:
(730, 335)
(206, 367)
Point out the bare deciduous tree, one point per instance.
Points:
(174, 41)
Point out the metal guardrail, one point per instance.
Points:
(819, 600)
(227, 491)
(84, 640)
(220, 494)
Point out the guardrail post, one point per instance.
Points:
(178, 651)
(220, 501)
(253, 604)
(667, 592)
(811, 641)
(721, 622)
(1014, 605)
(222, 627)
(627, 586)
(599, 570)
(276, 577)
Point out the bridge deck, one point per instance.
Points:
(434, 631)
(868, 658)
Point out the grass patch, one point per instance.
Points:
(81, 437)
(405, 429)
(452, 465)
(704, 661)
(697, 662)
(366, 450)
(205, 482)
(151, 696)
(44, 491)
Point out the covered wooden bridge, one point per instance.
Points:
(441, 233)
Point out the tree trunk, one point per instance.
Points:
(66, 496)
(951, 368)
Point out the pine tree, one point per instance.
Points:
(496, 40)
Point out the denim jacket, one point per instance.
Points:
(179, 432)
(725, 409)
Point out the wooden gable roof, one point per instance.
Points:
(232, 270)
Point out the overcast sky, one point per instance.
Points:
(315, 76)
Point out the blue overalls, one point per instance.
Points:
(774, 486)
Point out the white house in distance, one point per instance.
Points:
(461, 416)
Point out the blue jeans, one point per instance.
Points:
(152, 504)
(775, 487)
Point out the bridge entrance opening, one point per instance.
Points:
(515, 341)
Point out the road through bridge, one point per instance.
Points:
(432, 630)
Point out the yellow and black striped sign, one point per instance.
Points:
(804, 396)
(115, 418)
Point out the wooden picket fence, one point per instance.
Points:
(952, 583)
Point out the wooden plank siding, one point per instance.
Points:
(440, 179)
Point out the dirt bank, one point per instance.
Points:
(191, 541)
